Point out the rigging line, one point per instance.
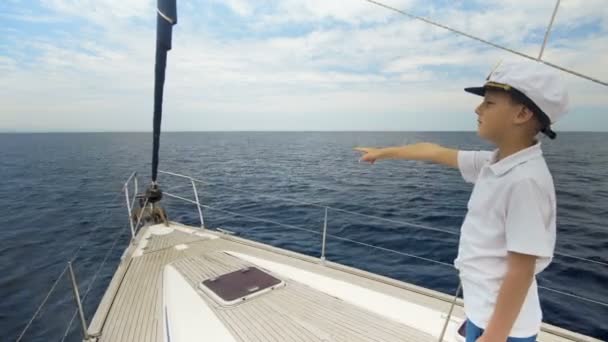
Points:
(48, 294)
(90, 234)
(404, 223)
(244, 215)
(376, 247)
(580, 258)
(141, 214)
(72, 259)
(548, 33)
(102, 264)
(521, 54)
(316, 204)
(396, 221)
(573, 296)
(247, 192)
(384, 249)
(315, 232)
(390, 250)
(121, 232)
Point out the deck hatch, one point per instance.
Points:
(234, 287)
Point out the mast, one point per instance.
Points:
(165, 19)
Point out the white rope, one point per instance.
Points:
(521, 54)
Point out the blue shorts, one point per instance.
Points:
(473, 332)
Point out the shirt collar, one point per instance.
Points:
(503, 166)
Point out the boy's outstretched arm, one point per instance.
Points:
(420, 151)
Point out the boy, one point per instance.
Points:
(508, 235)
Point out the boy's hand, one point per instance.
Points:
(370, 154)
(419, 151)
(483, 338)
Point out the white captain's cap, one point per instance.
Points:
(538, 85)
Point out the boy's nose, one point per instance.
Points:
(478, 110)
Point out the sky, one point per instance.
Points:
(341, 65)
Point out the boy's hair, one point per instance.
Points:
(518, 97)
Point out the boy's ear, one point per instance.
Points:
(524, 115)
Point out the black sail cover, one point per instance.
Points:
(165, 19)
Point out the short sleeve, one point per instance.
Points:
(471, 162)
(530, 220)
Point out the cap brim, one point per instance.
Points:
(549, 132)
(481, 91)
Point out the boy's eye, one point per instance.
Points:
(489, 102)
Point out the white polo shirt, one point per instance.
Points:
(512, 208)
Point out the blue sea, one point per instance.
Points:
(62, 191)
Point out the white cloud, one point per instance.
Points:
(242, 7)
(378, 66)
(7, 64)
(351, 11)
(103, 11)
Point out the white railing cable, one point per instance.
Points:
(565, 255)
(373, 246)
(197, 203)
(319, 205)
(311, 231)
(244, 215)
(390, 250)
(572, 295)
(316, 204)
(590, 300)
(397, 221)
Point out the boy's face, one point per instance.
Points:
(496, 115)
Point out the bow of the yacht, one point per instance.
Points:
(184, 283)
